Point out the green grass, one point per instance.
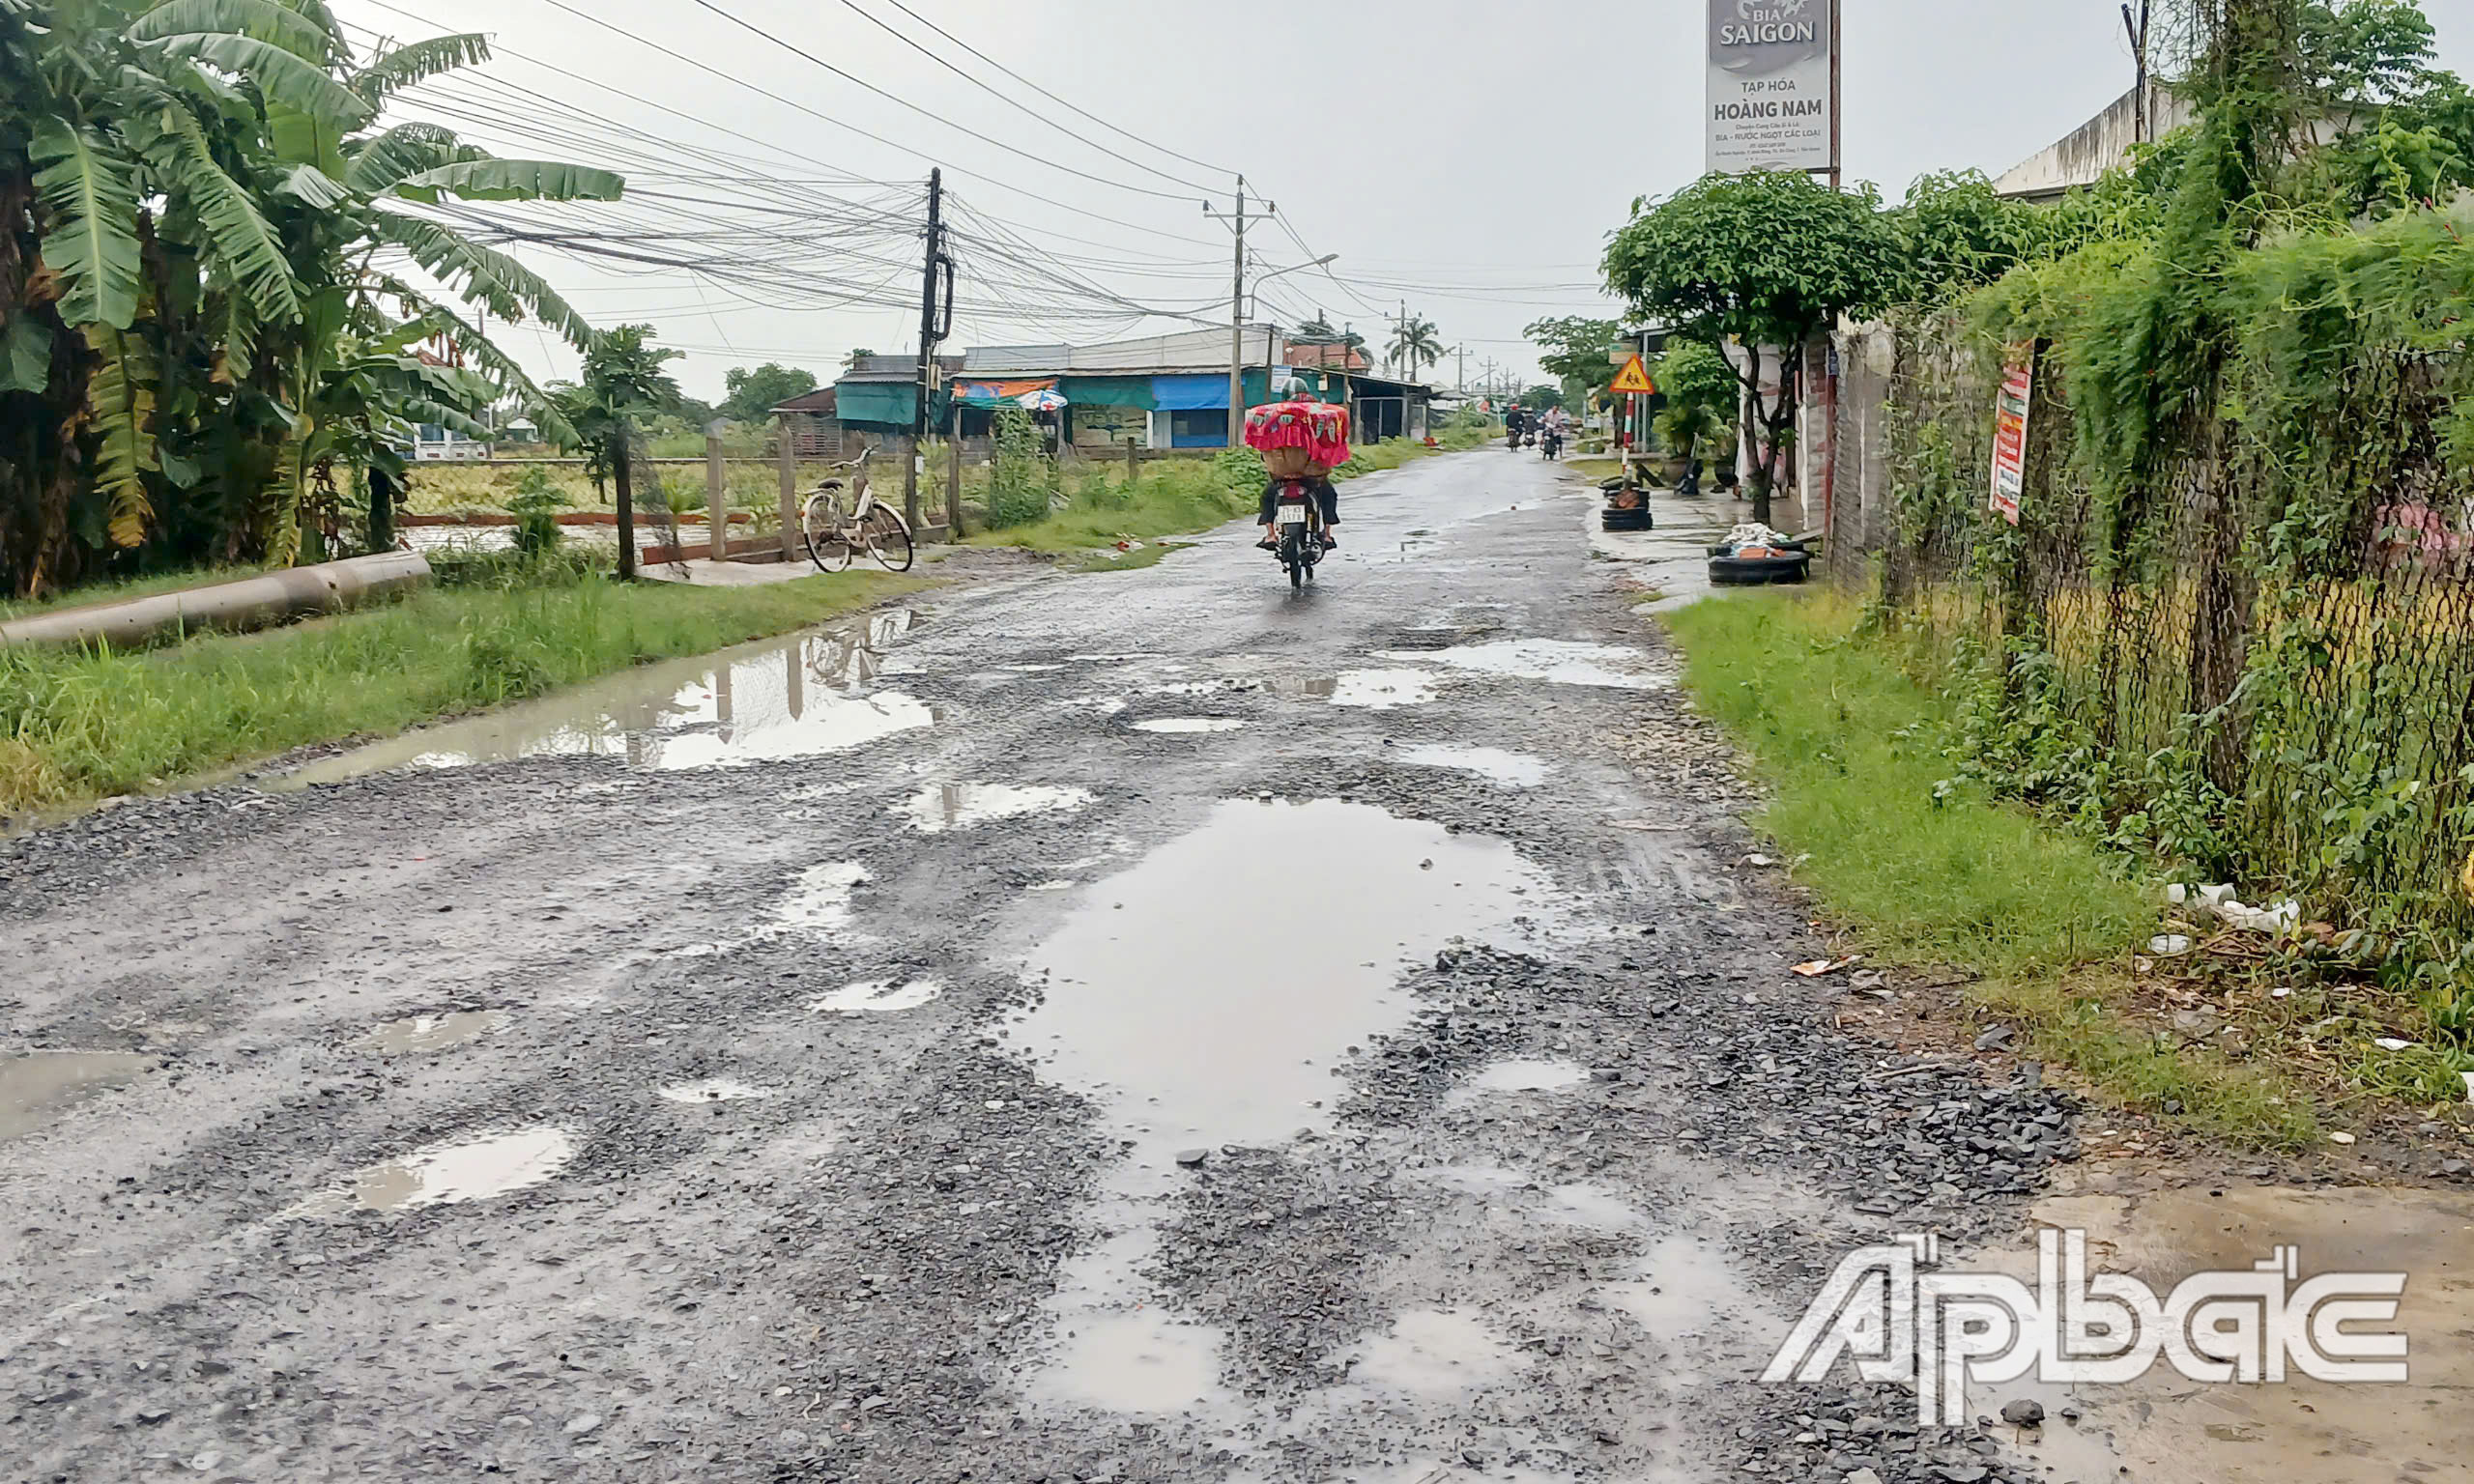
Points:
(77, 726)
(1109, 558)
(1926, 873)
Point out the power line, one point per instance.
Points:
(858, 81)
(882, 25)
(1204, 166)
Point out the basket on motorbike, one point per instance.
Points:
(1298, 440)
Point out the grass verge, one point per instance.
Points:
(1928, 873)
(80, 724)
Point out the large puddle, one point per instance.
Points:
(803, 697)
(1207, 992)
(1562, 661)
(1513, 770)
(1379, 690)
(941, 807)
(36, 1086)
(1203, 998)
(2300, 1431)
(471, 1169)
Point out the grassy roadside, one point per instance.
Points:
(79, 726)
(1929, 873)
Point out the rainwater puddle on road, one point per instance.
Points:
(713, 1090)
(941, 807)
(1306, 687)
(1515, 770)
(1180, 725)
(2301, 1430)
(1433, 1354)
(1382, 690)
(1529, 1074)
(417, 1034)
(1709, 1325)
(472, 1169)
(804, 697)
(35, 1087)
(869, 995)
(1562, 661)
(820, 899)
(1166, 991)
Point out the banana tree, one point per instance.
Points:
(192, 199)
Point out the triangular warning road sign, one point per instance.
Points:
(1634, 377)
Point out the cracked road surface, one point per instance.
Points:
(1146, 1026)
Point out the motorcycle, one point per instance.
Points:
(1297, 530)
(1551, 444)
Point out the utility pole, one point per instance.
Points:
(1237, 310)
(1460, 369)
(2137, 26)
(930, 333)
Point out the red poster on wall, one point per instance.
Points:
(2010, 430)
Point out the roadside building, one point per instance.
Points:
(1160, 391)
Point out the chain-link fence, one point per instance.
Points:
(2256, 656)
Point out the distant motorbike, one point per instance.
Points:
(1297, 530)
(1551, 444)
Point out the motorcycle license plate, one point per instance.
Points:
(1292, 515)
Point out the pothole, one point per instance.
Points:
(36, 1086)
(1190, 723)
(713, 1090)
(820, 899)
(1164, 992)
(416, 1035)
(1514, 770)
(1562, 661)
(877, 994)
(1529, 1074)
(451, 1173)
(1433, 1354)
(1382, 690)
(941, 807)
(805, 697)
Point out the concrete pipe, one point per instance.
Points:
(251, 602)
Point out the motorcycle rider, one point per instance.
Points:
(1319, 490)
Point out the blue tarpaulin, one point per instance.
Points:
(1189, 393)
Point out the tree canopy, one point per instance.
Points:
(1765, 262)
(754, 392)
(1573, 350)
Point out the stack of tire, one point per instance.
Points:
(1626, 509)
(1753, 555)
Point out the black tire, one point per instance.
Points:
(820, 528)
(888, 541)
(1748, 571)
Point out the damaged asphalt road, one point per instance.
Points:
(1149, 1026)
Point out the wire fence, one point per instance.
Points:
(2256, 658)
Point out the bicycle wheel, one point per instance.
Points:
(888, 540)
(821, 525)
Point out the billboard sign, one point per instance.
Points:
(2010, 430)
(1770, 80)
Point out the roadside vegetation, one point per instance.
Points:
(1928, 871)
(79, 724)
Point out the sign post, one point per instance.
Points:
(1773, 86)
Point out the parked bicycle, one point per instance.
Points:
(834, 539)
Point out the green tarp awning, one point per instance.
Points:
(892, 403)
(1107, 391)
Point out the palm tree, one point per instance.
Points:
(195, 213)
(1414, 345)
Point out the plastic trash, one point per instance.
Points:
(2170, 945)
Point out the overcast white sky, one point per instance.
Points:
(1468, 159)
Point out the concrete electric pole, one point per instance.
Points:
(1237, 310)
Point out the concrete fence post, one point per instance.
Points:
(786, 458)
(717, 497)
